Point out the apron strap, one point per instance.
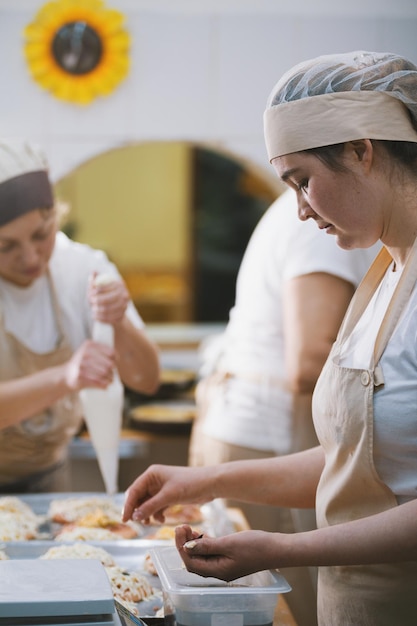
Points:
(363, 293)
(397, 304)
(56, 308)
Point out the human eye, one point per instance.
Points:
(303, 185)
(6, 247)
(42, 234)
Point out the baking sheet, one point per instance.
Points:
(216, 521)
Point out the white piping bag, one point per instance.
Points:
(103, 410)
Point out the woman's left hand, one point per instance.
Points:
(108, 301)
(228, 557)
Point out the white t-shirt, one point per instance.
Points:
(27, 311)
(282, 247)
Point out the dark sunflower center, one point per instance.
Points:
(77, 48)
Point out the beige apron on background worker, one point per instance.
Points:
(33, 453)
(363, 595)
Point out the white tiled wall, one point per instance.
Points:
(201, 70)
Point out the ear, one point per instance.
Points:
(362, 151)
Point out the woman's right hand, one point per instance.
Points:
(91, 365)
(161, 486)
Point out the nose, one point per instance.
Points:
(304, 209)
(29, 254)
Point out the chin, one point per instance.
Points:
(349, 244)
(19, 281)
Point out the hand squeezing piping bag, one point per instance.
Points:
(103, 409)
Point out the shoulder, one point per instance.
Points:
(78, 257)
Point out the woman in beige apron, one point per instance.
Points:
(350, 487)
(341, 131)
(48, 301)
(33, 453)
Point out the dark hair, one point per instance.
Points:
(404, 152)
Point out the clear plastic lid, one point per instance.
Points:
(176, 579)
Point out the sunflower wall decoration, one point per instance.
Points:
(77, 49)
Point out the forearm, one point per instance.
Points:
(288, 481)
(25, 397)
(390, 536)
(137, 358)
(285, 481)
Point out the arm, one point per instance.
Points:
(136, 356)
(313, 309)
(20, 398)
(387, 537)
(289, 481)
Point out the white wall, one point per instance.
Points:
(200, 70)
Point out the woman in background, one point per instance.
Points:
(48, 301)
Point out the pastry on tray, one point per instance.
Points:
(70, 510)
(182, 514)
(17, 520)
(129, 586)
(91, 519)
(79, 551)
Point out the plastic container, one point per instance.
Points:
(191, 600)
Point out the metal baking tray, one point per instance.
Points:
(216, 521)
(128, 554)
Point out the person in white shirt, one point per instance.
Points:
(48, 301)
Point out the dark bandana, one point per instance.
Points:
(24, 193)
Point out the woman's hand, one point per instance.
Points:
(228, 557)
(161, 486)
(92, 365)
(108, 301)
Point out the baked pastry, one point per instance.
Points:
(72, 532)
(13, 504)
(98, 519)
(92, 513)
(149, 566)
(17, 520)
(79, 551)
(182, 514)
(70, 510)
(129, 586)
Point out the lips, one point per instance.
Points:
(32, 271)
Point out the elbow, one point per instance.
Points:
(150, 382)
(152, 386)
(304, 371)
(300, 384)
(302, 379)
(144, 381)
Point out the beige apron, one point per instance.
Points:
(33, 451)
(349, 489)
